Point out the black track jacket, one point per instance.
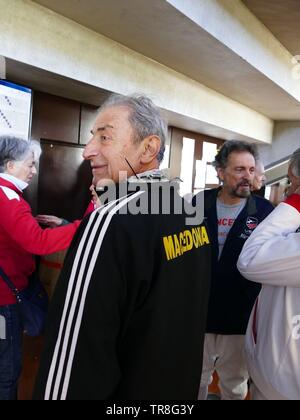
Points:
(128, 316)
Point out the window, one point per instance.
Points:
(191, 159)
(186, 174)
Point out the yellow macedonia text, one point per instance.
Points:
(178, 244)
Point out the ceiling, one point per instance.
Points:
(44, 81)
(282, 18)
(159, 31)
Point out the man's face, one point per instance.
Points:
(260, 177)
(112, 143)
(295, 181)
(238, 175)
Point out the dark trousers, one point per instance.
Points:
(11, 334)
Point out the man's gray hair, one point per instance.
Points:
(16, 149)
(295, 163)
(233, 146)
(145, 118)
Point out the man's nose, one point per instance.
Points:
(250, 174)
(90, 150)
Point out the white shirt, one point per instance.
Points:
(21, 185)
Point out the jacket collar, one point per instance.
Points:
(155, 175)
(4, 182)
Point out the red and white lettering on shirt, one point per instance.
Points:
(226, 222)
(227, 215)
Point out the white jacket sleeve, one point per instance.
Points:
(271, 255)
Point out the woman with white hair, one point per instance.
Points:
(21, 238)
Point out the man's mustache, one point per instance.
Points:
(244, 184)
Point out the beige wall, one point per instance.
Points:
(41, 38)
(244, 34)
(286, 140)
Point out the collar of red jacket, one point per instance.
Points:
(5, 183)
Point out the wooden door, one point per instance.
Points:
(64, 181)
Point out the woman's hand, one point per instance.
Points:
(47, 220)
(95, 197)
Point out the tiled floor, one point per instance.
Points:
(31, 349)
(214, 391)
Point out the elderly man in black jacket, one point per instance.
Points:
(129, 312)
(232, 213)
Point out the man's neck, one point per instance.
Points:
(228, 199)
(147, 168)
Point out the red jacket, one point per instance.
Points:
(90, 209)
(21, 238)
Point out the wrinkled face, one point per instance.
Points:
(238, 175)
(111, 143)
(260, 177)
(24, 170)
(295, 180)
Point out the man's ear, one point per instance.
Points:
(150, 147)
(294, 179)
(220, 173)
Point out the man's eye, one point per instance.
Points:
(105, 138)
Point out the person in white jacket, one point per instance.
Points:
(271, 256)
